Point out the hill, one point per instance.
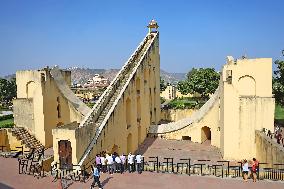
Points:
(81, 75)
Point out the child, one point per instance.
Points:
(96, 175)
(254, 169)
(245, 170)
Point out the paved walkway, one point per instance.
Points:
(9, 178)
(179, 149)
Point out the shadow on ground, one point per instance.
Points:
(106, 181)
(143, 147)
(4, 186)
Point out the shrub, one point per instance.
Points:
(5, 117)
(7, 125)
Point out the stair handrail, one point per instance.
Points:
(94, 113)
(99, 129)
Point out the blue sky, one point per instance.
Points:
(103, 34)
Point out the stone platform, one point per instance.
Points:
(179, 149)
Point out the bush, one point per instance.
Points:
(186, 103)
(182, 104)
(7, 125)
(90, 104)
(5, 117)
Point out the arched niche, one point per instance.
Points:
(128, 112)
(129, 143)
(30, 88)
(205, 134)
(246, 86)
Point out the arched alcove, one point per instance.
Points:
(205, 134)
(138, 109)
(247, 86)
(146, 76)
(139, 135)
(128, 112)
(58, 108)
(138, 85)
(30, 88)
(129, 143)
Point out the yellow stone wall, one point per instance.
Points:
(14, 143)
(38, 95)
(268, 151)
(66, 134)
(116, 136)
(169, 93)
(195, 130)
(4, 141)
(244, 104)
(175, 115)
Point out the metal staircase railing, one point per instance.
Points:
(108, 100)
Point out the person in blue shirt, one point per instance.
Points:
(96, 175)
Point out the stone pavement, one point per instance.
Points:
(149, 180)
(9, 178)
(179, 150)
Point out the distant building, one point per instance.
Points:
(97, 81)
(169, 93)
(179, 95)
(86, 93)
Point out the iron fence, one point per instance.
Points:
(29, 163)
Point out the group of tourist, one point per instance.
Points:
(254, 169)
(278, 135)
(113, 163)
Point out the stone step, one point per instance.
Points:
(26, 138)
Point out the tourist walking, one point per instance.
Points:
(130, 162)
(96, 175)
(254, 169)
(139, 163)
(123, 162)
(245, 170)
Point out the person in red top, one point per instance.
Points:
(254, 169)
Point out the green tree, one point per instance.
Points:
(278, 82)
(190, 73)
(183, 87)
(203, 81)
(3, 89)
(8, 90)
(163, 85)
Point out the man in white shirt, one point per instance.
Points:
(109, 164)
(118, 164)
(103, 162)
(139, 163)
(130, 162)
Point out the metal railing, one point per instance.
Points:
(214, 168)
(126, 73)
